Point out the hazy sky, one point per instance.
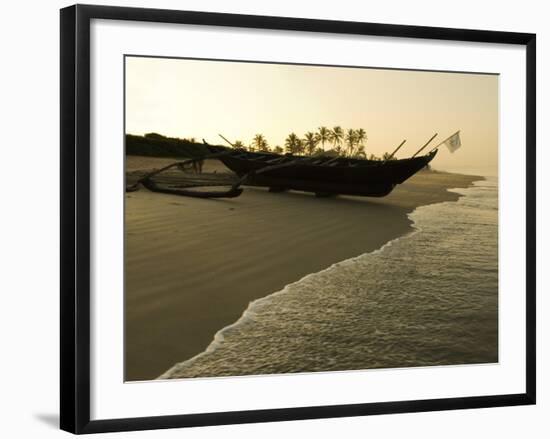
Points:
(195, 98)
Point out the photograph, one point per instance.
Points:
(299, 218)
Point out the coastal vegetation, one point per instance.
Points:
(157, 145)
(332, 142)
(324, 141)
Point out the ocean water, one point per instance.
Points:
(427, 298)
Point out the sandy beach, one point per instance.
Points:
(193, 265)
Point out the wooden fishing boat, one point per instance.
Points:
(325, 176)
(322, 175)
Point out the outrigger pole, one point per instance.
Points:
(426, 144)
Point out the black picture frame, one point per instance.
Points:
(75, 217)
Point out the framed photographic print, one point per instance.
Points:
(267, 218)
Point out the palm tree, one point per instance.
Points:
(324, 136)
(361, 136)
(351, 138)
(278, 150)
(238, 145)
(336, 135)
(259, 143)
(293, 144)
(310, 142)
(360, 152)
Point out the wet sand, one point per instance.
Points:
(193, 265)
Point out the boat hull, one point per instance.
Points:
(345, 176)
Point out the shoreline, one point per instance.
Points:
(180, 370)
(174, 370)
(178, 279)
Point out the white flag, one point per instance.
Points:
(453, 142)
